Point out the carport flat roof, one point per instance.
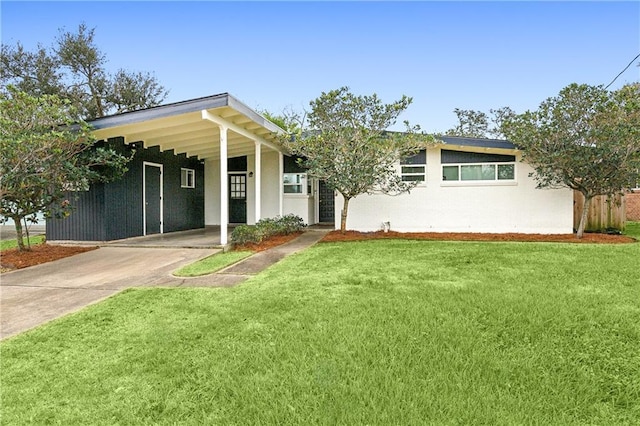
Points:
(182, 127)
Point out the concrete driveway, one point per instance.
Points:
(32, 296)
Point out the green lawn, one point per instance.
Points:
(211, 264)
(633, 229)
(374, 332)
(9, 244)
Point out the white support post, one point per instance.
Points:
(280, 183)
(224, 187)
(258, 180)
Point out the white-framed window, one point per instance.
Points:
(414, 168)
(295, 183)
(187, 178)
(478, 172)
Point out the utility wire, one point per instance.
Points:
(625, 68)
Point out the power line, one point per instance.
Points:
(625, 68)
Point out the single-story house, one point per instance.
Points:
(215, 161)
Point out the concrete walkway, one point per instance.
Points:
(33, 296)
(252, 265)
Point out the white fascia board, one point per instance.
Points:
(206, 115)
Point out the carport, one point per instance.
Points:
(211, 129)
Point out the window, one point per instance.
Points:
(295, 183)
(187, 178)
(412, 169)
(479, 172)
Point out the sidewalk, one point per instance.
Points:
(252, 265)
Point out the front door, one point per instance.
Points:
(326, 203)
(152, 198)
(238, 198)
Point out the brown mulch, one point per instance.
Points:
(268, 243)
(463, 236)
(41, 253)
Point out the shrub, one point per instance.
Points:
(291, 223)
(245, 234)
(267, 227)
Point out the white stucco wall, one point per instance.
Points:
(440, 206)
(301, 205)
(269, 184)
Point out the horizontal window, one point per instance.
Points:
(295, 183)
(187, 178)
(479, 172)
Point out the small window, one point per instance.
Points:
(413, 169)
(295, 183)
(187, 178)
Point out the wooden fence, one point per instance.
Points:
(604, 212)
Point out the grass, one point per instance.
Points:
(371, 332)
(632, 229)
(9, 244)
(212, 263)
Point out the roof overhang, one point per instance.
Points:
(193, 127)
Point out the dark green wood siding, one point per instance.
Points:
(115, 210)
(86, 222)
(456, 157)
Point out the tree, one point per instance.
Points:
(75, 69)
(45, 154)
(586, 139)
(477, 124)
(471, 124)
(347, 144)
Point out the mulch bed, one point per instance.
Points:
(463, 236)
(41, 253)
(268, 243)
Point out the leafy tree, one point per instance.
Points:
(471, 124)
(75, 69)
(499, 117)
(347, 144)
(586, 139)
(46, 153)
(477, 124)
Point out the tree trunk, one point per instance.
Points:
(585, 213)
(26, 233)
(343, 215)
(19, 236)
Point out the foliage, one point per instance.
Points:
(586, 139)
(212, 264)
(477, 124)
(75, 69)
(267, 227)
(9, 244)
(245, 234)
(394, 333)
(288, 120)
(348, 146)
(44, 154)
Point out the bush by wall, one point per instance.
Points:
(266, 228)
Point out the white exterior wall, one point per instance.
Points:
(269, 203)
(301, 205)
(491, 207)
(212, 192)
(270, 184)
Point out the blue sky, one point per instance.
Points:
(470, 55)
